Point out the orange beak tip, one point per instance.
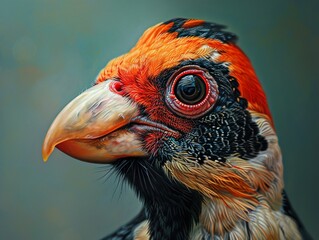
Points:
(45, 159)
(46, 152)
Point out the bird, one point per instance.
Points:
(183, 119)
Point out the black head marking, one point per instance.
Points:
(203, 30)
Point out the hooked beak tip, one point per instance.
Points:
(45, 157)
(46, 151)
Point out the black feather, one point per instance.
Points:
(204, 30)
(170, 207)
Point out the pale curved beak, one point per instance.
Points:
(92, 127)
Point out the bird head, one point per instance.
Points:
(182, 116)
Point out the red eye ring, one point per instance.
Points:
(192, 110)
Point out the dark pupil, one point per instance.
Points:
(190, 89)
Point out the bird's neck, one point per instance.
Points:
(258, 215)
(240, 192)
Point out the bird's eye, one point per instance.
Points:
(191, 92)
(190, 89)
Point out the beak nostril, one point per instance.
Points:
(117, 87)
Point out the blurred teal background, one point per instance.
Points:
(50, 51)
